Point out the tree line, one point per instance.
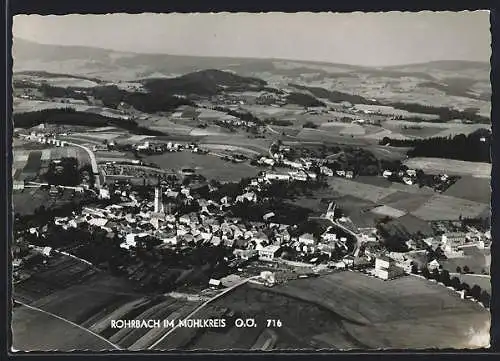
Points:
(474, 147)
(152, 102)
(69, 116)
(443, 276)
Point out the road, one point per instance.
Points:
(71, 323)
(345, 229)
(93, 162)
(196, 310)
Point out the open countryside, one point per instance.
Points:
(329, 206)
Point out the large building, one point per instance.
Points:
(386, 269)
(268, 253)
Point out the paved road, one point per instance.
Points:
(196, 310)
(93, 162)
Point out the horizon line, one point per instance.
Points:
(325, 62)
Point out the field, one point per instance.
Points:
(360, 190)
(348, 310)
(27, 200)
(72, 291)
(388, 110)
(406, 202)
(482, 281)
(388, 211)
(29, 160)
(450, 167)
(478, 260)
(473, 189)
(37, 331)
(440, 207)
(209, 166)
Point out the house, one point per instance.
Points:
(340, 173)
(268, 216)
(307, 239)
(214, 283)
(349, 174)
(267, 161)
(46, 251)
(300, 176)
(269, 253)
(434, 264)
(408, 181)
(326, 171)
(292, 164)
(277, 176)
(249, 196)
(18, 185)
(245, 254)
(284, 235)
(215, 240)
(386, 269)
(453, 240)
(98, 222)
(328, 236)
(17, 262)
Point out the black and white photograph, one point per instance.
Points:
(251, 181)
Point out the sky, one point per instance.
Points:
(370, 39)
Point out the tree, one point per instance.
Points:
(466, 269)
(466, 288)
(425, 272)
(459, 270)
(455, 283)
(414, 268)
(445, 277)
(485, 299)
(435, 274)
(475, 292)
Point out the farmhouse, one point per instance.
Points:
(269, 253)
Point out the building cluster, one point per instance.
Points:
(44, 138)
(135, 220)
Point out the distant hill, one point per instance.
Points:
(447, 65)
(89, 61)
(204, 82)
(453, 84)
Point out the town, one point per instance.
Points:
(302, 205)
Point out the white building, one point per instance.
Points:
(386, 270)
(292, 164)
(386, 174)
(277, 176)
(268, 253)
(326, 171)
(307, 239)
